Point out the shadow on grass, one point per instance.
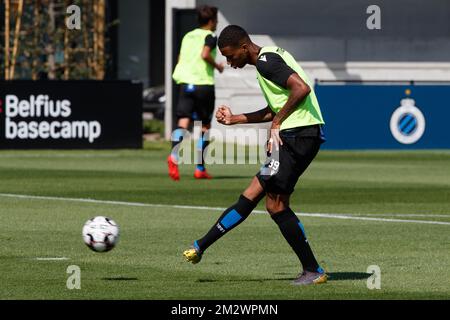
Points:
(336, 276)
(333, 276)
(120, 279)
(231, 178)
(242, 280)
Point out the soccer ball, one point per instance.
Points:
(100, 234)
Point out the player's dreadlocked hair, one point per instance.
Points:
(232, 36)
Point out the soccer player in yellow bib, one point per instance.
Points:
(295, 139)
(194, 73)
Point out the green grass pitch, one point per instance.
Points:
(251, 262)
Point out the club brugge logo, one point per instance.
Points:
(407, 122)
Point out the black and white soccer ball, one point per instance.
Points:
(100, 234)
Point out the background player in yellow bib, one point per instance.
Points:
(295, 138)
(194, 73)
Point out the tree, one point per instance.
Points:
(42, 45)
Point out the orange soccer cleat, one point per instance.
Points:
(199, 174)
(173, 168)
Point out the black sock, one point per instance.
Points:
(231, 217)
(293, 232)
(205, 145)
(201, 146)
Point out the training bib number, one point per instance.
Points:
(274, 165)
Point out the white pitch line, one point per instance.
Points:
(52, 259)
(327, 215)
(63, 156)
(404, 215)
(139, 204)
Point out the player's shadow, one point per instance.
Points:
(120, 279)
(336, 276)
(230, 177)
(333, 276)
(243, 280)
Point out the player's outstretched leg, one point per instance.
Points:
(294, 233)
(231, 218)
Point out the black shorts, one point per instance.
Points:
(196, 102)
(282, 169)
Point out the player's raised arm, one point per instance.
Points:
(207, 56)
(299, 90)
(226, 117)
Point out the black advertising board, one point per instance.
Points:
(70, 114)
